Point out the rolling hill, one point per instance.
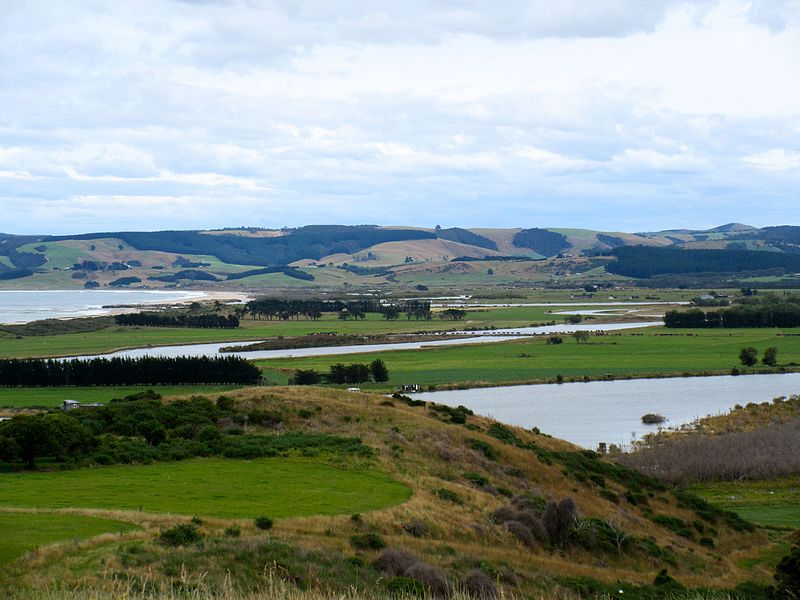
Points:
(369, 255)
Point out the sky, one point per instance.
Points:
(620, 115)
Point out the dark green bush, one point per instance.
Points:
(233, 531)
(448, 495)
(367, 541)
(483, 447)
(476, 479)
(180, 535)
(264, 523)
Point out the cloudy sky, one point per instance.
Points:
(628, 115)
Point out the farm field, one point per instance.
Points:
(24, 531)
(51, 397)
(652, 351)
(773, 503)
(117, 337)
(208, 487)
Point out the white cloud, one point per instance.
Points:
(293, 112)
(776, 159)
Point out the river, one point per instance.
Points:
(610, 411)
(448, 339)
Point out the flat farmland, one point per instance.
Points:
(656, 351)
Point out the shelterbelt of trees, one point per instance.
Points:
(147, 370)
(275, 308)
(151, 319)
(770, 311)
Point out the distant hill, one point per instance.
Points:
(338, 255)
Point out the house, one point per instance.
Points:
(410, 388)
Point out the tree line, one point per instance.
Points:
(765, 315)
(275, 308)
(341, 373)
(151, 319)
(148, 370)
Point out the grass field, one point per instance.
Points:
(652, 351)
(774, 503)
(114, 338)
(49, 397)
(208, 487)
(24, 531)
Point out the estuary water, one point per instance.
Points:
(610, 411)
(448, 339)
(23, 306)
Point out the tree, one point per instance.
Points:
(770, 357)
(307, 377)
(379, 371)
(748, 356)
(581, 337)
(31, 436)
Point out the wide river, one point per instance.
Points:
(610, 411)
(23, 306)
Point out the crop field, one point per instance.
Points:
(25, 531)
(655, 351)
(208, 487)
(51, 397)
(117, 337)
(774, 502)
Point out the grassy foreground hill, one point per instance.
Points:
(461, 503)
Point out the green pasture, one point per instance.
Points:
(652, 351)
(771, 502)
(210, 487)
(50, 397)
(117, 337)
(25, 531)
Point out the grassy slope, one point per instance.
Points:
(25, 531)
(416, 447)
(49, 397)
(209, 487)
(653, 351)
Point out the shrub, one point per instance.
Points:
(431, 577)
(479, 585)
(558, 520)
(521, 532)
(394, 562)
(707, 542)
(181, 535)
(415, 527)
(197, 521)
(367, 541)
(225, 403)
(233, 531)
(483, 447)
(405, 587)
(264, 523)
(787, 575)
(448, 495)
(476, 479)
